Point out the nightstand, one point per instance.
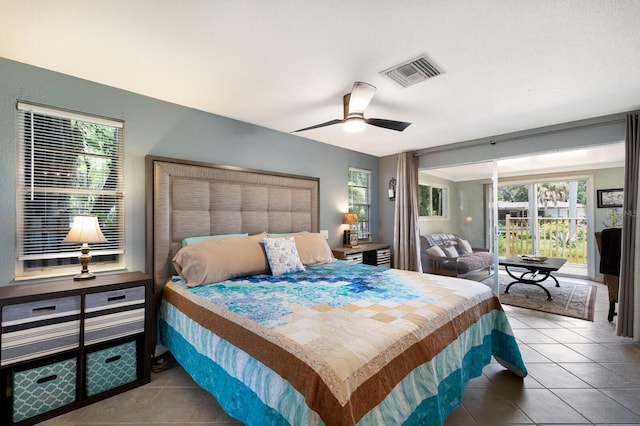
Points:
(65, 344)
(370, 254)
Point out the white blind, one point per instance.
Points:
(69, 163)
(360, 200)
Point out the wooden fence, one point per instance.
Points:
(557, 237)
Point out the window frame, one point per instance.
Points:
(445, 205)
(364, 229)
(44, 135)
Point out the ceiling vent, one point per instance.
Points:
(412, 72)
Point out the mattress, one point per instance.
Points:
(337, 344)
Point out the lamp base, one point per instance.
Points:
(84, 276)
(84, 260)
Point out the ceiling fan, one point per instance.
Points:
(354, 104)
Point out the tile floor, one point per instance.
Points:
(580, 372)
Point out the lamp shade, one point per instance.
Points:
(85, 229)
(350, 219)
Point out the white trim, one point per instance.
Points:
(39, 109)
(357, 169)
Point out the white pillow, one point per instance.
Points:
(465, 247)
(282, 255)
(450, 251)
(435, 251)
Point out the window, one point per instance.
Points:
(360, 200)
(68, 164)
(433, 200)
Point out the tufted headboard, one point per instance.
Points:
(187, 199)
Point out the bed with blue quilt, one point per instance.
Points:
(281, 333)
(337, 344)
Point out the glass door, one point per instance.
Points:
(546, 214)
(546, 217)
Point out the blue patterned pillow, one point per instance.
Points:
(282, 255)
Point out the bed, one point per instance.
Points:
(263, 317)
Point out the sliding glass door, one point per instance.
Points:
(546, 217)
(546, 214)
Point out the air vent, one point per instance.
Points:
(412, 72)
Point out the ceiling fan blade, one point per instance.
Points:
(388, 124)
(361, 95)
(328, 123)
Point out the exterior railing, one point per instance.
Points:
(556, 237)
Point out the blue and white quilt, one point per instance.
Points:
(337, 344)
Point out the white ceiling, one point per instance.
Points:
(284, 64)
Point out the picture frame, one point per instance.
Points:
(608, 198)
(353, 239)
(350, 239)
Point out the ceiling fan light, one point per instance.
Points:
(354, 124)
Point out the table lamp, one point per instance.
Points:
(350, 236)
(85, 230)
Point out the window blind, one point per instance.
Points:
(360, 200)
(68, 163)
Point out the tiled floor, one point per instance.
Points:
(580, 372)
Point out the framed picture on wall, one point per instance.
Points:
(610, 197)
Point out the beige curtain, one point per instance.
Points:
(629, 299)
(406, 234)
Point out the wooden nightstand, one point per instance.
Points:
(65, 344)
(370, 254)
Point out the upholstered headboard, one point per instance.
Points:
(187, 199)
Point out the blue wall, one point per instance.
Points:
(165, 129)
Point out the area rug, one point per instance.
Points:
(570, 299)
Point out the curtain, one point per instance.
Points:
(629, 299)
(406, 234)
